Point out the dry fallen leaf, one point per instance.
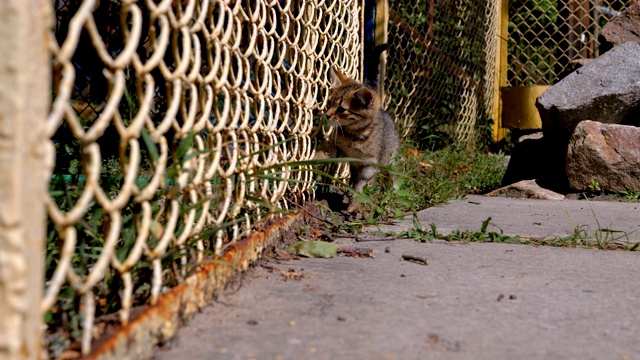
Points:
(283, 255)
(357, 252)
(412, 152)
(313, 249)
(69, 355)
(292, 274)
(316, 233)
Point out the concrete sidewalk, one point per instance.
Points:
(472, 301)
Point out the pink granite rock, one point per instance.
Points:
(608, 154)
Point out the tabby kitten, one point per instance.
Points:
(363, 130)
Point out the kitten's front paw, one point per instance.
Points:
(354, 207)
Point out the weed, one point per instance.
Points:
(418, 233)
(594, 185)
(484, 236)
(422, 180)
(425, 179)
(629, 195)
(601, 238)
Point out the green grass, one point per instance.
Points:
(629, 195)
(423, 179)
(426, 179)
(418, 233)
(601, 238)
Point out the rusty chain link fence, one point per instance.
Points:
(174, 124)
(549, 38)
(441, 69)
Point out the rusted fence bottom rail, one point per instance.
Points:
(159, 323)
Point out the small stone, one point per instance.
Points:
(526, 189)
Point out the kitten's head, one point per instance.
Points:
(350, 101)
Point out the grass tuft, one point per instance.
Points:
(426, 179)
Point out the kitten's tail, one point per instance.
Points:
(372, 73)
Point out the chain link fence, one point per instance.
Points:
(548, 38)
(175, 124)
(441, 69)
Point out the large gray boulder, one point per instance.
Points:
(622, 29)
(607, 90)
(604, 154)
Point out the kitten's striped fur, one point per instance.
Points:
(363, 130)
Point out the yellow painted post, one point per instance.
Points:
(519, 106)
(501, 66)
(24, 146)
(382, 27)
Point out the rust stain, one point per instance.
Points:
(158, 323)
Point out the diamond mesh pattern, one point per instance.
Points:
(175, 124)
(547, 36)
(441, 67)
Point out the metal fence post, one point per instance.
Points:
(24, 103)
(501, 68)
(382, 29)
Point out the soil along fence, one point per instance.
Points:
(177, 127)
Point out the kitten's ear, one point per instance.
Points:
(338, 78)
(366, 97)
